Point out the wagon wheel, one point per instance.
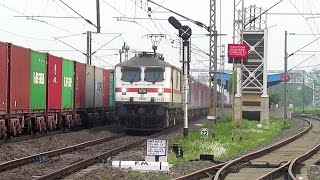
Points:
(60, 122)
(30, 128)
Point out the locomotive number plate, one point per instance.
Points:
(142, 91)
(142, 98)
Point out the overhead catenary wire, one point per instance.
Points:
(23, 36)
(87, 20)
(302, 62)
(133, 21)
(70, 46)
(304, 47)
(107, 43)
(18, 12)
(304, 18)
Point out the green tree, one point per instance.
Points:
(232, 83)
(274, 99)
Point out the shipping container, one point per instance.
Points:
(80, 85)
(38, 82)
(112, 89)
(89, 86)
(54, 83)
(3, 77)
(19, 60)
(106, 87)
(98, 90)
(68, 84)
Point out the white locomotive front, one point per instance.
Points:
(148, 93)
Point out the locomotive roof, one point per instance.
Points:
(139, 61)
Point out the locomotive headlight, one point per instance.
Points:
(124, 90)
(160, 91)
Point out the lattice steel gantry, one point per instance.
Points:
(213, 67)
(252, 98)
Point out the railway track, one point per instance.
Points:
(265, 163)
(34, 136)
(25, 137)
(41, 157)
(261, 164)
(51, 165)
(298, 168)
(102, 157)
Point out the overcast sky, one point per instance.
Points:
(40, 33)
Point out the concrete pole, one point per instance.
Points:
(286, 74)
(303, 97)
(98, 16)
(264, 114)
(185, 85)
(120, 53)
(89, 47)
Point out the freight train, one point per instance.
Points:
(148, 93)
(41, 92)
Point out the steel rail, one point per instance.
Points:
(223, 171)
(99, 158)
(299, 160)
(34, 136)
(202, 173)
(222, 168)
(275, 173)
(45, 155)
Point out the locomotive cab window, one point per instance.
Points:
(154, 74)
(131, 74)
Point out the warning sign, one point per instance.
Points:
(239, 51)
(156, 147)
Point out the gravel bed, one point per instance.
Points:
(105, 171)
(33, 170)
(14, 150)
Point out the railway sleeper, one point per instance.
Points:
(263, 165)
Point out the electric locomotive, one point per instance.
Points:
(148, 93)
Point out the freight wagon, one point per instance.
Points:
(40, 92)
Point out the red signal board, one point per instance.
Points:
(238, 51)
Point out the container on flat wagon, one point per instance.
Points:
(54, 80)
(80, 85)
(106, 88)
(19, 69)
(89, 90)
(3, 77)
(67, 84)
(98, 90)
(38, 82)
(112, 90)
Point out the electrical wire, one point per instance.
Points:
(302, 62)
(60, 6)
(133, 21)
(87, 20)
(27, 37)
(305, 19)
(18, 12)
(107, 43)
(304, 47)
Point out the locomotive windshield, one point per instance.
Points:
(131, 74)
(154, 74)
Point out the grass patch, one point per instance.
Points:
(308, 110)
(226, 141)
